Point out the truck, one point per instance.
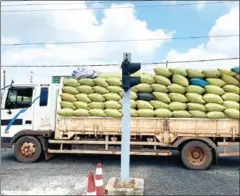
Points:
(31, 126)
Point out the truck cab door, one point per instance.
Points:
(16, 111)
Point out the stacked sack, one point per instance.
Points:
(169, 93)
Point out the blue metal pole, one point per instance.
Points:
(125, 144)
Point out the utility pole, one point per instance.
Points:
(31, 77)
(4, 78)
(128, 81)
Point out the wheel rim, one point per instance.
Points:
(28, 149)
(196, 156)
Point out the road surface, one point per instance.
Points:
(66, 175)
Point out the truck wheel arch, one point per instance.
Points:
(40, 135)
(181, 141)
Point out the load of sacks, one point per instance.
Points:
(168, 93)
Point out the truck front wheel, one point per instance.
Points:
(27, 149)
(196, 155)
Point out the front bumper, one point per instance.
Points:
(6, 142)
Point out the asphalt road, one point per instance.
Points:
(66, 175)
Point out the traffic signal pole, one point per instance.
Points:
(128, 68)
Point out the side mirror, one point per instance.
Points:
(9, 111)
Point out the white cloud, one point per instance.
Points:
(201, 4)
(226, 47)
(78, 25)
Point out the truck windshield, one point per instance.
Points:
(19, 98)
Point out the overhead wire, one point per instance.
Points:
(126, 7)
(117, 64)
(114, 41)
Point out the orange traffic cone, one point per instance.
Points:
(99, 180)
(91, 188)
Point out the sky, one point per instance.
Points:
(97, 21)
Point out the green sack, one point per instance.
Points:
(163, 113)
(211, 73)
(158, 104)
(114, 82)
(133, 113)
(162, 97)
(227, 72)
(231, 89)
(113, 113)
(144, 88)
(230, 80)
(216, 82)
(134, 89)
(68, 97)
(174, 106)
(176, 88)
(147, 79)
(194, 73)
(71, 82)
(86, 81)
(144, 105)
(212, 98)
(112, 96)
(80, 105)
(112, 105)
(115, 89)
(67, 104)
(196, 106)
(96, 97)
(214, 90)
(179, 71)
(176, 97)
(181, 114)
(215, 115)
(133, 103)
(83, 97)
(133, 95)
(65, 112)
(159, 88)
(96, 105)
(195, 98)
(70, 90)
(232, 113)
(101, 82)
(163, 72)
(214, 107)
(231, 105)
(230, 97)
(198, 114)
(109, 75)
(162, 80)
(195, 89)
(85, 89)
(97, 112)
(81, 112)
(181, 80)
(100, 90)
(145, 113)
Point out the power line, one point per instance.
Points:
(126, 7)
(102, 65)
(114, 41)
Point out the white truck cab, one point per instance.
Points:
(27, 107)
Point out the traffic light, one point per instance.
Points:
(128, 68)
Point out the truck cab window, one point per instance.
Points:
(19, 98)
(44, 96)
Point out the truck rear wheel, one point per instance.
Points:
(27, 149)
(196, 155)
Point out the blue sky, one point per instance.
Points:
(184, 21)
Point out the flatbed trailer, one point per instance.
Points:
(39, 130)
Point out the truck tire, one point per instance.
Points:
(27, 149)
(196, 155)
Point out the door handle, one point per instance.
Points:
(28, 122)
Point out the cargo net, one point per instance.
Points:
(168, 93)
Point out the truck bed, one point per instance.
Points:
(166, 130)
